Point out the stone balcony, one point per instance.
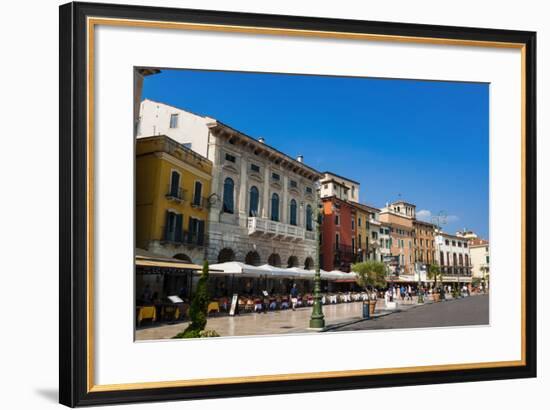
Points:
(265, 227)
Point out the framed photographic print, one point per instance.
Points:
(259, 204)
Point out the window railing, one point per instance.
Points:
(172, 236)
(199, 202)
(177, 194)
(179, 238)
(195, 238)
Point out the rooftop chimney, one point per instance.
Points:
(300, 158)
(261, 139)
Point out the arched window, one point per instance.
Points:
(226, 255)
(292, 262)
(309, 218)
(254, 201)
(293, 213)
(275, 207)
(228, 187)
(274, 259)
(252, 258)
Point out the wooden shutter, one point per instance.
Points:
(191, 230)
(201, 233)
(166, 226)
(174, 184)
(179, 228)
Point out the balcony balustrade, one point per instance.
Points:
(199, 202)
(265, 227)
(175, 194)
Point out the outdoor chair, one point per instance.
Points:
(213, 307)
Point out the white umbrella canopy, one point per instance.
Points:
(239, 269)
(274, 271)
(302, 273)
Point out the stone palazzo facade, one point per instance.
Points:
(263, 202)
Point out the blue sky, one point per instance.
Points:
(426, 142)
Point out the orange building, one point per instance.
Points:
(338, 247)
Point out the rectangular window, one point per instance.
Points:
(337, 243)
(174, 120)
(173, 230)
(254, 167)
(353, 244)
(360, 241)
(309, 190)
(337, 219)
(230, 158)
(293, 184)
(275, 176)
(197, 194)
(352, 224)
(174, 190)
(359, 222)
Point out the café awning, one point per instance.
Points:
(148, 259)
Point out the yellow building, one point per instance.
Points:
(172, 188)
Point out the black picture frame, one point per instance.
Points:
(73, 369)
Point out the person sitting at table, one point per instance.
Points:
(284, 304)
(257, 305)
(147, 295)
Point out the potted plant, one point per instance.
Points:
(434, 272)
(369, 275)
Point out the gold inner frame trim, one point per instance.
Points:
(93, 21)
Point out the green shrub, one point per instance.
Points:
(370, 273)
(198, 310)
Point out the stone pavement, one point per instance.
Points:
(278, 322)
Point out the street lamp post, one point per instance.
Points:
(439, 220)
(317, 320)
(420, 295)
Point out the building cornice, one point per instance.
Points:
(263, 150)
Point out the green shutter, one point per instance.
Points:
(179, 228)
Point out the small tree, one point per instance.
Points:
(434, 272)
(199, 307)
(370, 274)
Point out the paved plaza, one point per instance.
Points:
(467, 311)
(341, 317)
(285, 321)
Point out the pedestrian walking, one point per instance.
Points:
(294, 296)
